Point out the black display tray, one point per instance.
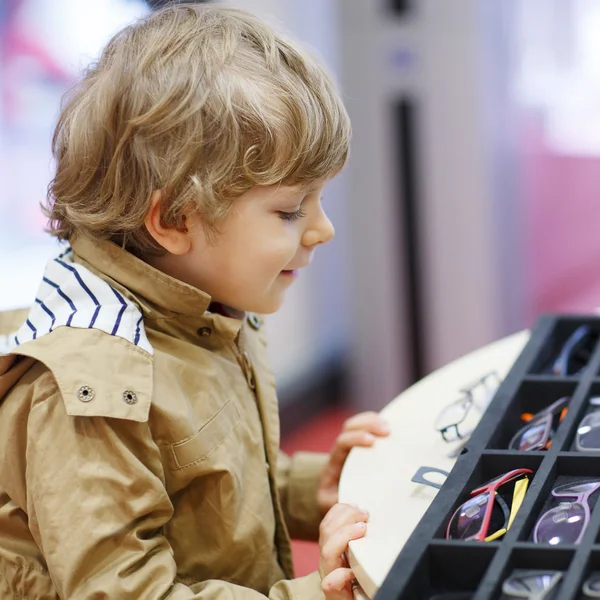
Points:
(429, 564)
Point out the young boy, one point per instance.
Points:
(138, 417)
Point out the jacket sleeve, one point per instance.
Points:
(297, 480)
(97, 504)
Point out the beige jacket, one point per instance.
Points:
(139, 444)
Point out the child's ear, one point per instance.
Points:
(176, 239)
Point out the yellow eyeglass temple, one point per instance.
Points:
(518, 496)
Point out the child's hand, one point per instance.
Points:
(359, 430)
(341, 524)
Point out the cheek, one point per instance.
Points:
(277, 250)
(252, 266)
(262, 252)
(283, 257)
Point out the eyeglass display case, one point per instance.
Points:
(430, 566)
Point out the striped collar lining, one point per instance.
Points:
(71, 295)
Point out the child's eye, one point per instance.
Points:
(292, 216)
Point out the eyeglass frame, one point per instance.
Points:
(491, 487)
(579, 499)
(593, 401)
(556, 578)
(468, 399)
(560, 365)
(547, 414)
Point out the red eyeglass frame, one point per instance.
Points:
(491, 487)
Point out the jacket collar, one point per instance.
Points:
(72, 296)
(160, 297)
(158, 294)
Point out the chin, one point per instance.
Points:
(265, 311)
(266, 304)
(268, 307)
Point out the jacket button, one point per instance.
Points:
(85, 393)
(254, 321)
(129, 397)
(204, 331)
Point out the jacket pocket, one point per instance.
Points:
(210, 436)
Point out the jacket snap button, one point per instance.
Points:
(204, 331)
(85, 393)
(129, 397)
(254, 322)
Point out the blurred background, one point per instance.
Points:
(469, 205)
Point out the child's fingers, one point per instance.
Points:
(334, 547)
(354, 437)
(338, 584)
(338, 515)
(367, 421)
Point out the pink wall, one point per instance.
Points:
(561, 210)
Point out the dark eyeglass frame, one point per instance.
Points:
(451, 432)
(555, 578)
(491, 488)
(575, 342)
(544, 417)
(579, 498)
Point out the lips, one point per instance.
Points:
(294, 269)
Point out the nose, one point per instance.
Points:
(319, 231)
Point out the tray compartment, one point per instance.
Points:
(490, 466)
(532, 396)
(586, 407)
(537, 559)
(560, 333)
(445, 568)
(565, 470)
(592, 568)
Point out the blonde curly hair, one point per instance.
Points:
(202, 103)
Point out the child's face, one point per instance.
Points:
(268, 236)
